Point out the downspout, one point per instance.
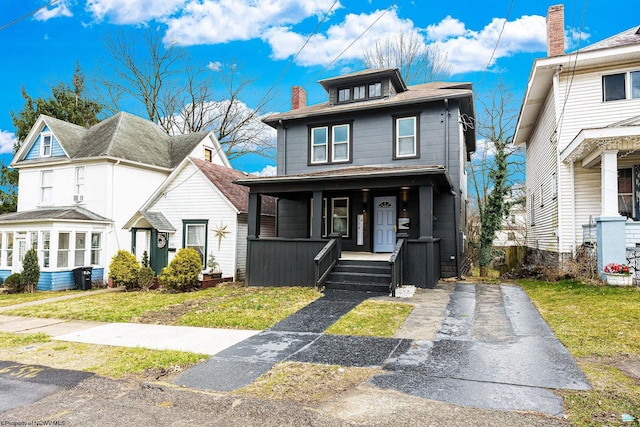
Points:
(456, 233)
(284, 148)
(456, 230)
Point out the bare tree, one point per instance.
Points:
(418, 62)
(494, 168)
(180, 97)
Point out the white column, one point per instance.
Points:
(609, 180)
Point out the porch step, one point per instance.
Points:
(360, 275)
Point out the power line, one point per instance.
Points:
(33, 12)
(504, 24)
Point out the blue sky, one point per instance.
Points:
(262, 37)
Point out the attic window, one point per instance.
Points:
(344, 95)
(208, 155)
(45, 145)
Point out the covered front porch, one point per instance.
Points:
(405, 215)
(613, 152)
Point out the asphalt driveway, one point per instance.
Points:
(476, 345)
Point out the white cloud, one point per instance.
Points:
(221, 21)
(268, 170)
(60, 8)
(214, 65)
(324, 48)
(7, 139)
(469, 50)
(132, 12)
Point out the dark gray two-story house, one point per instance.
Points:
(379, 171)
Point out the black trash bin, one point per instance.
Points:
(82, 277)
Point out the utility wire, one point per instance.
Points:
(33, 12)
(504, 24)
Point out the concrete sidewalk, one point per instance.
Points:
(207, 341)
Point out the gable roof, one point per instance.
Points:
(368, 74)
(223, 178)
(625, 38)
(122, 136)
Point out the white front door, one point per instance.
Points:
(21, 246)
(384, 227)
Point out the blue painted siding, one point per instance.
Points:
(62, 280)
(4, 274)
(34, 152)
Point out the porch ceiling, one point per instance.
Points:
(589, 144)
(353, 178)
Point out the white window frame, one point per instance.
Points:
(397, 137)
(79, 253)
(46, 249)
(192, 225)
(334, 143)
(43, 147)
(325, 143)
(344, 94)
(628, 78)
(63, 252)
(554, 185)
(46, 187)
(377, 90)
(96, 250)
(532, 209)
(80, 173)
(359, 92)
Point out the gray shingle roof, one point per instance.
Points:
(69, 213)
(124, 136)
(158, 221)
(625, 38)
(414, 94)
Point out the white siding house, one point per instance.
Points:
(580, 122)
(198, 206)
(78, 187)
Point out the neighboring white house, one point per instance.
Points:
(199, 206)
(513, 231)
(79, 186)
(580, 122)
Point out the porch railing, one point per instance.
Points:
(396, 260)
(327, 258)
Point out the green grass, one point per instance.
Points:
(372, 318)
(250, 308)
(600, 326)
(13, 341)
(12, 299)
(589, 320)
(220, 307)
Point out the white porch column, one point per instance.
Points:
(609, 180)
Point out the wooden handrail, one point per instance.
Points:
(326, 260)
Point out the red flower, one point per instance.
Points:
(614, 268)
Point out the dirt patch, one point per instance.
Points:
(172, 314)
(629, 365)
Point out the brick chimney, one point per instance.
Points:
(555, 30)
(298, 97)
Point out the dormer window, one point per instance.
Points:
(359, 92)
(344, 95)
(375, 90)
(45, 145)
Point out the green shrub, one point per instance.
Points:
(182, 272)
(123, 269)
(14, 283)
(145, 277)
(30, 270)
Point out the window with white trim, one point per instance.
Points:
(406, 137)
(46, 187)
(63, 250)
(195, 236)
(330, 144)
(46, 246)
(621, 86)
(96, 248)
(80, 250)
(359, 92)
(79, 177)
(45, 145)
(532, 209)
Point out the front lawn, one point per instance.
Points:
(372, 318)
(600, 326)
(13, 299)
(225, 306)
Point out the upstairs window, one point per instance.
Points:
(359, 92)
(375, 90)
(330, 144)
(45, 145)
(208, 155)
(79, 180)
(344, 95)
(46, 187)
(406, 137)
(621, 86)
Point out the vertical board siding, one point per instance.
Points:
(282, 262)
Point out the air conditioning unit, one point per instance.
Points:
(77, 198)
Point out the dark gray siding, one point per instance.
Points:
(292, 218)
